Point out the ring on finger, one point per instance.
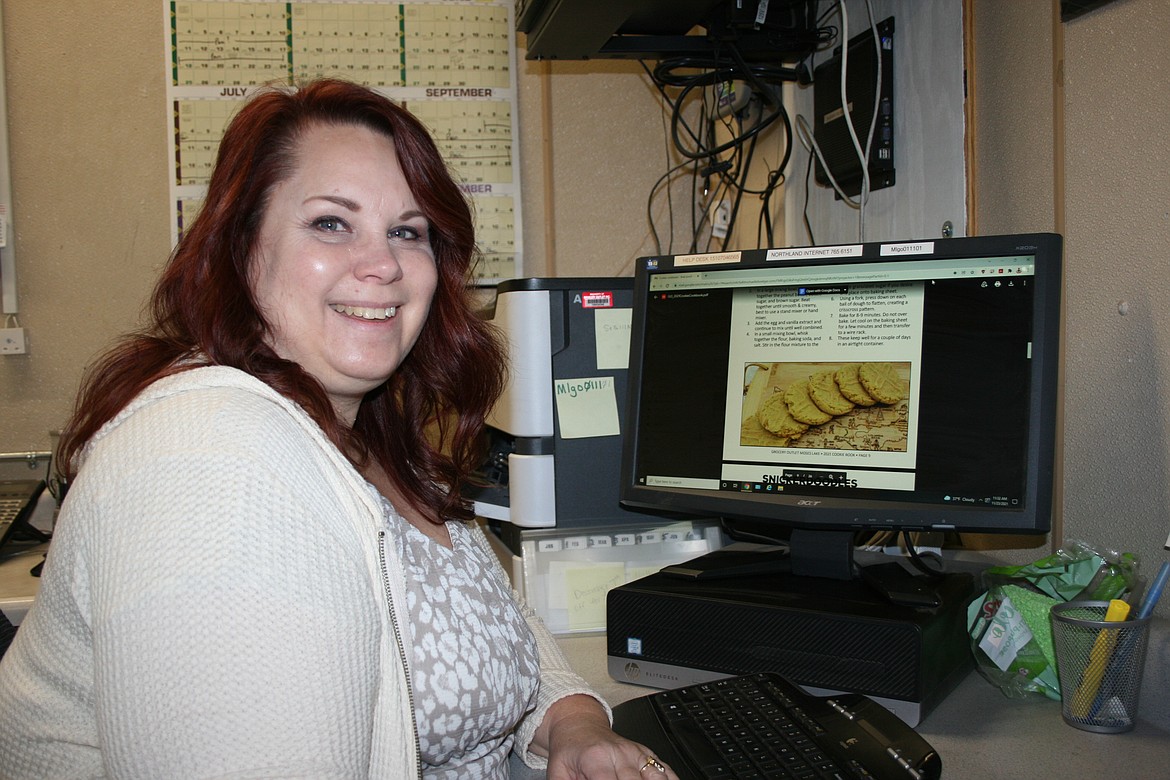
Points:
(651, 761)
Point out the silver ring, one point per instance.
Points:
(651, 761)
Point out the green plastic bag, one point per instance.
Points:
(1010, 628)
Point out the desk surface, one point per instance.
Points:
(980, 733)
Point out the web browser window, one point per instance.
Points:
(868, 378)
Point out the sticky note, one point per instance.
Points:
(586, 588)
(611, 332)
(587, 407)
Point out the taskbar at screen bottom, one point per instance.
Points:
(839, 484)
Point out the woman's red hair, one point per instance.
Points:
(203, 309)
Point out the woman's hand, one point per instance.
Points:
(582, 746)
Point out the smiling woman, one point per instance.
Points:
(263, 564)
(344, 271)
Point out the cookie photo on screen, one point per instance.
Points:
(831, 406)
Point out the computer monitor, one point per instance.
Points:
(813, 395)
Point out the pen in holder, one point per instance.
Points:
(1100, 657)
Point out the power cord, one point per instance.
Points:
(696, 79)
(918, 561)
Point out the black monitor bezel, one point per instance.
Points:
(839, 513)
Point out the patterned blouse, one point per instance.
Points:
(474, 663)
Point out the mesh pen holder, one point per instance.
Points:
(1100, 665)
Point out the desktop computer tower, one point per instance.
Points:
(822, 634)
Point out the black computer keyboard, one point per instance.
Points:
(762, 726)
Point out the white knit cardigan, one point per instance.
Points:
(219, 601)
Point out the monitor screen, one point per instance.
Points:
(909, 385)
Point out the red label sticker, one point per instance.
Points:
(597, 300)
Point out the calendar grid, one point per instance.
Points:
(449, 61)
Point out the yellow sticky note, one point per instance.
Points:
(586, 588)
(587, 407)
(611, 332)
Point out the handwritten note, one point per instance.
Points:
(587, 407)
(586, 588)
(611, 331)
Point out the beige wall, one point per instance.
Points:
(86, 110)
(592, 146)
(1116, 220)
(87, 154)
(89, 161)
(1071, 136)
